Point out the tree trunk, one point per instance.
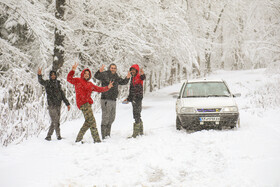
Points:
(159, 80)
(151, 81)
(208, 61)
(208, 50)
(172, 76)
(222, 65)
(58, 57)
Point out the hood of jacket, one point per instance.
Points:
(137, 78)
(83, 72)
(135, 66)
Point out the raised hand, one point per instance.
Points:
(74, 67)
(111, 84)
(128, 74)
(102, 68)
(39, 71)
(141, 72)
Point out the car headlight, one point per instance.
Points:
(230, 109)
(187, 110)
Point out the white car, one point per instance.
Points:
(206, 104)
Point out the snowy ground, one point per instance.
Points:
(247, 156)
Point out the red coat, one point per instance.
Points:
(137, 78)
(84, 88)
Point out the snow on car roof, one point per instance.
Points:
(204, 80)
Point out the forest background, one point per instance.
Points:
(171, 40)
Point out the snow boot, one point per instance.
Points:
(136, 130)
(141, 128)
(48, 138)
(108, 132)
(59, 138)
(103, 131)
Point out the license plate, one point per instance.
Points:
(209, 118)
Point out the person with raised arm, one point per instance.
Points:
(108, 99)
(135, 97)
(83, 89)
(54, 97)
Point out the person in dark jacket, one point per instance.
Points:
(54, 97)
(108, 99)
(135, 97)
(84, 88)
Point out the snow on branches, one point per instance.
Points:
(127, 32)
(170, 40)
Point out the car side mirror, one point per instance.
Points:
(237, 95)
(175, 97)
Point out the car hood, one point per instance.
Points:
(208, 102)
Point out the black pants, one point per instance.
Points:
(137, 108)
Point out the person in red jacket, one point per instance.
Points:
(135, 97)
(83, 89)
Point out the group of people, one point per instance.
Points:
(110, 81)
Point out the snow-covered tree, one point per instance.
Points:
(25, 43)
(170, 40)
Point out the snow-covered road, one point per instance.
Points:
(247, 156)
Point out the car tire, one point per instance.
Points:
(178, 124)
(238, 123)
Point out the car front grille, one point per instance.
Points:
(203, 110)
(192, 122)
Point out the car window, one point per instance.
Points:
(206, 89)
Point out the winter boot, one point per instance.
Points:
(141, 128)
(48, 138)
(95, 135)
(108, 131)
(134, 134)
(136, 130)
(59, 138)
(103, 131)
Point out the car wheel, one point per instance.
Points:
(238, 123)
(178, 124)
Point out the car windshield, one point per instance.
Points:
(206, 89)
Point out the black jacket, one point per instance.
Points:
(54, 92)
(136, 90)
(105, 77)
